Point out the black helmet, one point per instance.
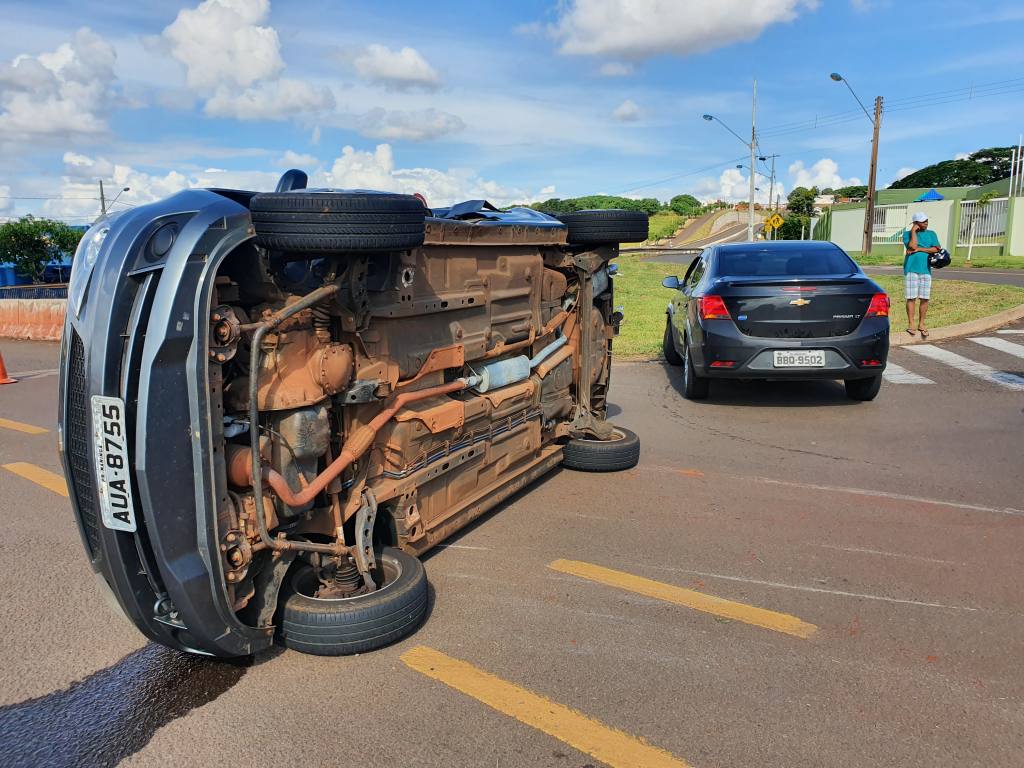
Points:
(940, 259)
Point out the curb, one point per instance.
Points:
(981, 325)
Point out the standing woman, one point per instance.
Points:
(920, 242)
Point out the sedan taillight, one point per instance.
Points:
(879, 306)
(713, 308)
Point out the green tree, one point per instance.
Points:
(792, 226)
(856, 190)
(29, 243)
(648, 205)
(684, 205)
(801, 201)
(978, 168)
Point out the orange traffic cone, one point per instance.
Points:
(4, 378)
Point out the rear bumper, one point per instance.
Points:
(141, 335)
(753, 359)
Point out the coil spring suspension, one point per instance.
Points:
(346, 577)
(322, 323)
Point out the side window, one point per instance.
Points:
(696, 275)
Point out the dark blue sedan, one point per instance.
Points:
(777, 310)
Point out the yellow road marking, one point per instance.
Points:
(17, 426)
(749, 614)
(609, 745)
(39, 476)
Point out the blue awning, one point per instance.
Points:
(931, 194)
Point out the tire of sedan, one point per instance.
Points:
(668, 346)
(621, 452)
(863, 389)
(341, 626)
(327, 221)
(605, 226)
(694, 386)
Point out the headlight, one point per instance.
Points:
(81, 266)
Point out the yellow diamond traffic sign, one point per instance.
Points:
(775, 221)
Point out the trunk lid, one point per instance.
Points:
(804, 308)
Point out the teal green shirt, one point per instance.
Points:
(918, 261)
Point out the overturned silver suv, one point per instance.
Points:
(271, 404)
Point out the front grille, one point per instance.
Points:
(79, 445)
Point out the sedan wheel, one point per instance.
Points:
(694, 387)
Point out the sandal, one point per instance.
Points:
(911, 331)
(924, 332)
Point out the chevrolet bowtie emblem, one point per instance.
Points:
(800, 302)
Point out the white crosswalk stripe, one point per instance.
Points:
(899, 375)
(1001, 344)
(1012, 331)
(978, 370)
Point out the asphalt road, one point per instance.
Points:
(872, 552)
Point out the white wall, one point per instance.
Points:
(1016, 224)
(848, 228)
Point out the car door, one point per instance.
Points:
(678, 306)
(690, 292)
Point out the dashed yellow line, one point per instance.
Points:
(609, 745)
(17, 426)
(748, 614)
(49, 480)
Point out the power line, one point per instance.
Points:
(682, 175)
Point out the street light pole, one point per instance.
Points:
(752, 146)
(753, 167)
(876, 121)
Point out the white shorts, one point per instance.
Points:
(917, 286)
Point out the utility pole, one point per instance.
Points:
(869, 218)
(753, 167)
(103, 201)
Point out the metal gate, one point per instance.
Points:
(890, 222)
(988, 220)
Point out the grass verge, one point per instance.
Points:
(959, 262)
(639, 291)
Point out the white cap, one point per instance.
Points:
(918, 217)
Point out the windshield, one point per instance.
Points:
(774, 263)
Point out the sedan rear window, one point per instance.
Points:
(773, 263)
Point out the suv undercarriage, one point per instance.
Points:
(272, 403)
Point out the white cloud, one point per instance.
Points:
(616, 69)
(292, 159)
(958, 156)
(352, 169)
(235, 63)
(270, 100)
(733, 186)
(627, 111)
(398, 70)
(62, 95)
(398, 124)
(824, 173)
(6, 204)
(376, 170)
(906, 171)
(639, 29)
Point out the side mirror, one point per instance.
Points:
(671, 282)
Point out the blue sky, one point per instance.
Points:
(508, 101)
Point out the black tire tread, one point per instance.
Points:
(594, 456)
(333, 628)
(605, 226)
(863, 389)
(334, 222)
(668, 348)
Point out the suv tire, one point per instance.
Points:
(600, 227)
(621, 452)
(340, 626)
(329, 221)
